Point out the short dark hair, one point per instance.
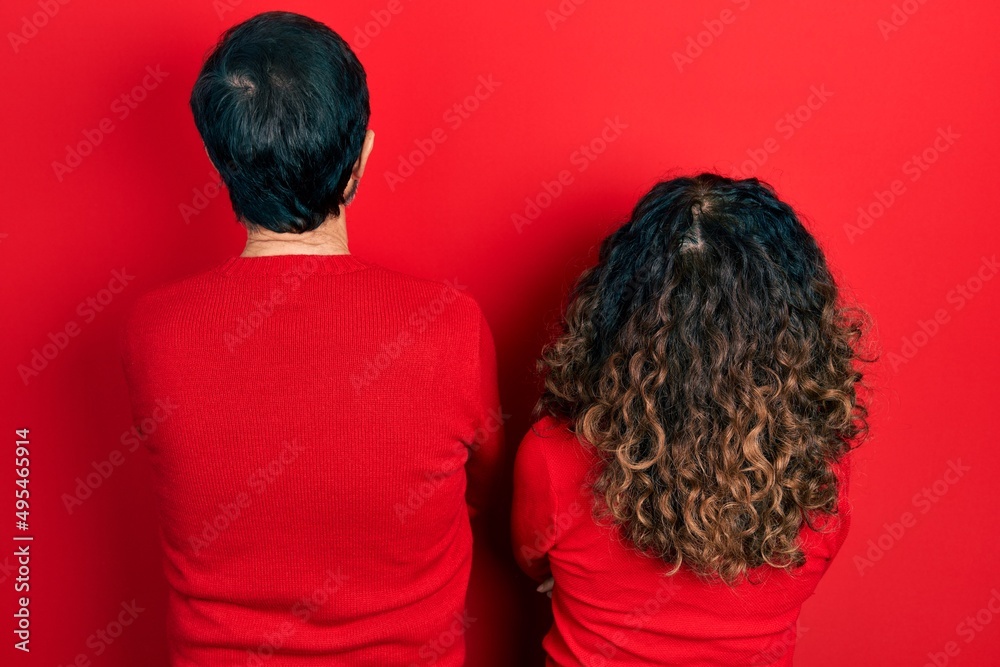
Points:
(282, 106)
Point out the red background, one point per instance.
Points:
(888, 92)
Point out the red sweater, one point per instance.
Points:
(612, 606)
(312, 469)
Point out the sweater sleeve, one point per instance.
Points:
(535, 508)
(485, 450)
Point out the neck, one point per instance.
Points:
(330, 238)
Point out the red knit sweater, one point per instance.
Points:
(613, 607)
(312, 474)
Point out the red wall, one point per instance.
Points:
(902, 124)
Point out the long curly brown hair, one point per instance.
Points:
(709, 360)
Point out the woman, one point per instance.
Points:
(686, 484)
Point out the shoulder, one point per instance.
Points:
(545, 435)
(829, 531)
(447, 299)
(843, 470)
(551, 446)
(452, 288)
(157, 307)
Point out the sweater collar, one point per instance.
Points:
(285, 264)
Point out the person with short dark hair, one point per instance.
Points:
(333, 423)
(685, 487)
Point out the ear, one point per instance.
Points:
(212, 162)
(366, 150)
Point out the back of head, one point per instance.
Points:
(708, 359)
(282, 106)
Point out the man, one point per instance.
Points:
(312, 478)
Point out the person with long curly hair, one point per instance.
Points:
(685, 486)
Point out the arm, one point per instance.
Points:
(535, 507)
(843, 471)
(485, 449)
